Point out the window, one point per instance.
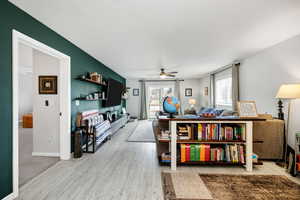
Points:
(223, 89)
(224, 92)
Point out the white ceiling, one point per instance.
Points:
(136, 37)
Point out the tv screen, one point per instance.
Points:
(114, 93)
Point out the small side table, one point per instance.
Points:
(27, 121)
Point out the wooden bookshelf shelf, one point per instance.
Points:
(206, 141)
(91, 81)
(210, 163)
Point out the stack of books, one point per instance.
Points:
(184, 132)
(166, 157)
(208, 153)
(208, 131)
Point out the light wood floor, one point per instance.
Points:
(119, 170)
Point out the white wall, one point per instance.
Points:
(204, 100)
(262, 74)
(45, 118)
(133, 102)
(25, 81)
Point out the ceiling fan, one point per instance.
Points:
(164, 74)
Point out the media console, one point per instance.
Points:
(97, 128)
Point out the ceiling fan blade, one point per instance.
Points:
(172, 72)
(170, 75)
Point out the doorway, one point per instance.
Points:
(62, 112)
(38, 124)
(155, 97)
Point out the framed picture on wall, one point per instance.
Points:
(188, 92)
(47, 84)
(205, 91)
(247, 109)
(136, 92)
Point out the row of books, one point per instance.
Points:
(211, 132)
(205, 152)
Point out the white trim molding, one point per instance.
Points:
(65, 102)
(10, 197)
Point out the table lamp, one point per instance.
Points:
(192, 103)
(287, 91)
(191, 109)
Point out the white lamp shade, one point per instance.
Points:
(192, 101)
(289, 91)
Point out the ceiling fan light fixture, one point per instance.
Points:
(163, 76)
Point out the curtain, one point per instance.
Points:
(235, 86)
(177, 94)
(143, 104)
(212, 90)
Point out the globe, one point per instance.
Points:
(171, 105)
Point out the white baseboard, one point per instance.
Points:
(45, 154)
(11, 196)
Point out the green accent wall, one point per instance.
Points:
(11, 18)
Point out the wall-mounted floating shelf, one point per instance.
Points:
(82, 99)
(91, 81)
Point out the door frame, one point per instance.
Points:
(159, 84)
(64, 90)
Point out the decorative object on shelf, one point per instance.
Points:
(208, 115)
(93, 77)
(171, 105)
(205, 92)
(188, 92)
(136, 92)
(191, 110)
(247, 109)
(96, 77)
(287, 91)
(125, 93)
(91, 97)
(47, 84)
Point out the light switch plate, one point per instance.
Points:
(77, 103)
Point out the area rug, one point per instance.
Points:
(235, 187)
(143, 132)
(184, 186)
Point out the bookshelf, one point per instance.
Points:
(242, 142)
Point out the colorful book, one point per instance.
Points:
(182, 152)
(195, 132)
(207, 152)
(197, 157)
(193, 152)
(228, 159)
(200, 130)
(242, 156)
(187, 152)
(202, 152)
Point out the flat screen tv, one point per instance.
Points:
(114, 93)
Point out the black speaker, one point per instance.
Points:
(77, 144)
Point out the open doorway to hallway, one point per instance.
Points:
(50, 112)
(38, 122)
